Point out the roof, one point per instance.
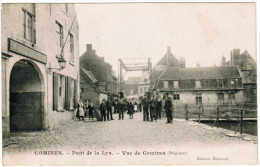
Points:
(90, 75)
(221, 72)
(173, 61)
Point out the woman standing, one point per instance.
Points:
(80, 111)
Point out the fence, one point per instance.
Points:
(216, 112)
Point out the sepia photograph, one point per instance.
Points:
(129, 83)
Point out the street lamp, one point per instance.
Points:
(62, 63)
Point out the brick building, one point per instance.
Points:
(35, 96)
(106, 81)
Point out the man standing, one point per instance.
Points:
(168, 109)
(159, 108)
(145, 108)
(121, 108)
(153, 109)
(102, 108)
(109, 110)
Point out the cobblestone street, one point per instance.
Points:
(124, 134)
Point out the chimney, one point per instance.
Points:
(89, 47)
(231, 58)
(236, 52)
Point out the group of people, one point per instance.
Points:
(152, 106)
(81, 110)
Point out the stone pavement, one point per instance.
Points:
(126, 133)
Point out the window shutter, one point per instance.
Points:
(75, 93)
(55, 90)
(67, 107)
(34, 30)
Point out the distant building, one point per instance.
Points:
(32, 41)
(89, 88)
(247, 68)
(203, 85)
(101, 70)
(168, 60)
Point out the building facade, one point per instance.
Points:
(35, 37)
(202, 85)
(106, 81)
(247, 68)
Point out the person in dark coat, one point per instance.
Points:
(121, 109)
(145, 104)
(153, 109)
(159, 108)
(109, 110)
(91, 110)
(168, 109)
(130, 109)
(102, 108)
(116, 106)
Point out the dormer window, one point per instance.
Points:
(165, 84)
(197, 84)
(175, 84)
(220, 83)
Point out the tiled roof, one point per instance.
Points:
(221, 72)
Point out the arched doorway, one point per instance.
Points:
(26, 97)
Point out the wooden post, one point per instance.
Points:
(241, 122)
(199, 114)
(217, 116)
(187, 112)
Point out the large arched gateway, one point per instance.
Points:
(26, 97)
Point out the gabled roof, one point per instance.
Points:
(172, 60)
(90, 75)
(221, 72)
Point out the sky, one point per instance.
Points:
(199, 32)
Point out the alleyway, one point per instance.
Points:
(124, 135)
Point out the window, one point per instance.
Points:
(175, 84)
(145, 88)
(197, 84)
(71, 48)
(28, 26)
(232, 82)
(231, 96)
(220, 96)
(165, 84)
(220, 83)
(141, 90)
(198, 99)
(59, 39)
(60, 85)
(176, 96)
(254, 78)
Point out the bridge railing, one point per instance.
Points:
(235, 113)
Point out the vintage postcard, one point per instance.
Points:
(154, 83)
